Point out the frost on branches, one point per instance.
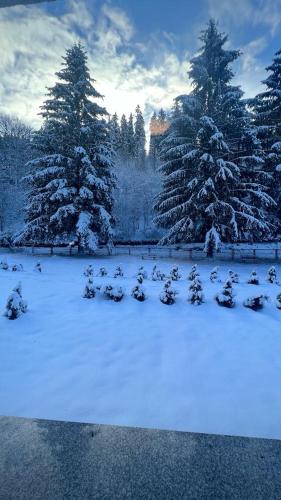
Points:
(254, 279)
(90, 290)
(70, 185)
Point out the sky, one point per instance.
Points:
(139, 50)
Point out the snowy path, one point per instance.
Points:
(204, 369)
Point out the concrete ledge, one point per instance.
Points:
(41, 459)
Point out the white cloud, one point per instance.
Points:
(256, 12)
(33, 41)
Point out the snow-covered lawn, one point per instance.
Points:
(195, 368)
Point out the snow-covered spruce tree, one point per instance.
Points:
(114, 131)
(142, 272)
(89, 271)
(175, 274)
(193, 273)
(168, 294)
(201, 156)
(225, 298)
(214, 275)
(17, 267)
(254, 279)
(139, 139)
(278, 301)
(89, 290)
(15, 304)
(38, 267)
(271, 275)
(138, 293)
(196, 296)
(256, 302)
(118, 272)
(114, 293)
(234, 277)
(216, 206)
(102, 271)
(4, 265)
(70, 187)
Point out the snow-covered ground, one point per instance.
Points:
(195, 368)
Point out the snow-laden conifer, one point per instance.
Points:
(272, 275)
(15, 304)
(195, 295)
(225, 297)
(255, 302)
(138, 293)
(193, 273)
(102, 271)
(90, 289)
(253, 279)
(214, 275)
(70, 184)
(89, 271)
(168, 294)
(175, 274)
(118, 272)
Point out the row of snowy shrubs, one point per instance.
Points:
(168, 295)
(175, 274)
(17, 267)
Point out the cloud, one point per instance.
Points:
(33, 41)
(255, 12)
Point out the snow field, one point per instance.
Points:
(195, 368)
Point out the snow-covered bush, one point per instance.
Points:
(15, 304)
(255, 302)
(102, 271)
(278, 301)
(17, 267)
(157, 275)
(38, 267)
(234, 277)
(254, 279)
(138, 293)
(140, 278)
(89, 271)
(114, 293)
(90, 290)
(193, 273)
(4, 265)
(225, 297)
(118, 272)
(214, 275)
(175, 274)
(168, 294)
(142, 272)
(271, 275)
(195, 292)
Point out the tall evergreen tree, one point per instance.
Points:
(131, 137)
(115, 134)
(70, 187)
(215, 205)
(124, 146)
(139, 138)
(267, 109)
(213, 109)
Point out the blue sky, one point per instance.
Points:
(139, 50)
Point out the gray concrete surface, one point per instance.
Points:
(42, 459)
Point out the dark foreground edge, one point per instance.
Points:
(43, 459)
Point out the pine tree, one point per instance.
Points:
(138, 293)
(168, 294)
(131, 138)
(70, 188)
(118, 272)
(212, 191)
(193, 273)
(225, 298)
(196, 296)
(90, 290)
(139, 139)
(175, 274)
(214, 275)
(256, 302)
(115, 134)
(272, 275)
(254, 279)
(102, 271)
(278, 301)
(15, 304)
(124, 143)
